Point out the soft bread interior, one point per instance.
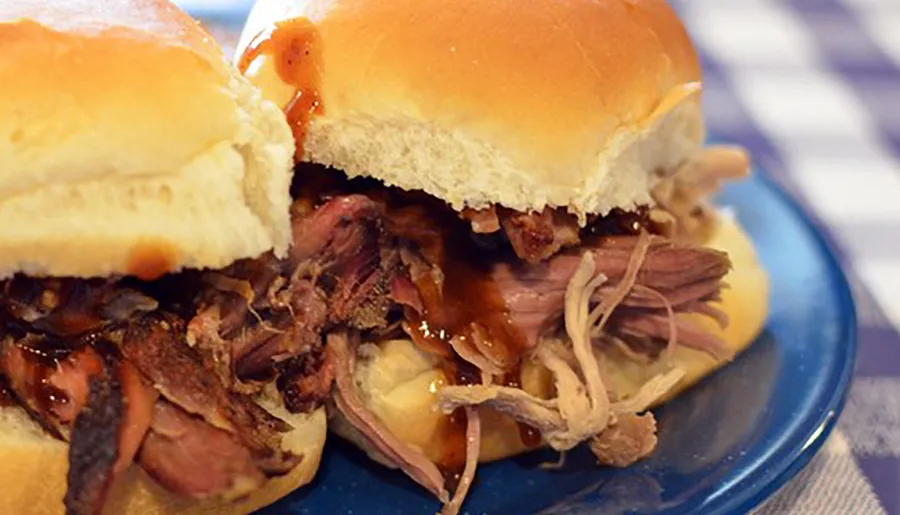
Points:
(34, 469)
(571, 104)
(398, 382)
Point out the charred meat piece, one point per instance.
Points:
(192, 458)
(258, 315)
(89, 398)
(156, 346)
(537, 236)
(93, 451)
(106, 435)
(68, 307)
(305, 381)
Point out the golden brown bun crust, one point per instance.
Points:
(125, 137)
(398, 384)
(80, 73)
(34, 469)
(519, 103)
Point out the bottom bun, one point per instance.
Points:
(34, 466)
(398, 382)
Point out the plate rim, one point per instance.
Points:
(763, 482)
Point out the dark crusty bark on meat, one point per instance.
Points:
(338, 274)
(156, 346)
(105, 436)
(306, 380)
(94, 378)
(66, 307)
(537, 236)
(93, 451)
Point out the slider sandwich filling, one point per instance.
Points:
(488, 294)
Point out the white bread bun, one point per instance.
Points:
(34, 469)
(130, 146)
(398, 382)
(573, 104)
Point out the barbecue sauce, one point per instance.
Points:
(465, 303)
(453, 460)
(41, 359)
(6, 396)
(620, 223)
(296, 50)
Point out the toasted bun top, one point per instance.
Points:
(570, 103)
(129, 145)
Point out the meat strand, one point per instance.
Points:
(628, 440)
(685, 276)
(348, 401)
(473, 448)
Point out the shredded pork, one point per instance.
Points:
(683, 210)
(473, 447)
(583, 408)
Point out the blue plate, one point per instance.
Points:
(724, 446)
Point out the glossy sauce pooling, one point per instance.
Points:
(453, 460)
(296, 49)
(41, 358)
(466, 304)
(6, 397)
(465, 301)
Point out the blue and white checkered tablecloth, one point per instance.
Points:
(812, 88)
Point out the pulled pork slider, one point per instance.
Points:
(133, 157)
(522, 190)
